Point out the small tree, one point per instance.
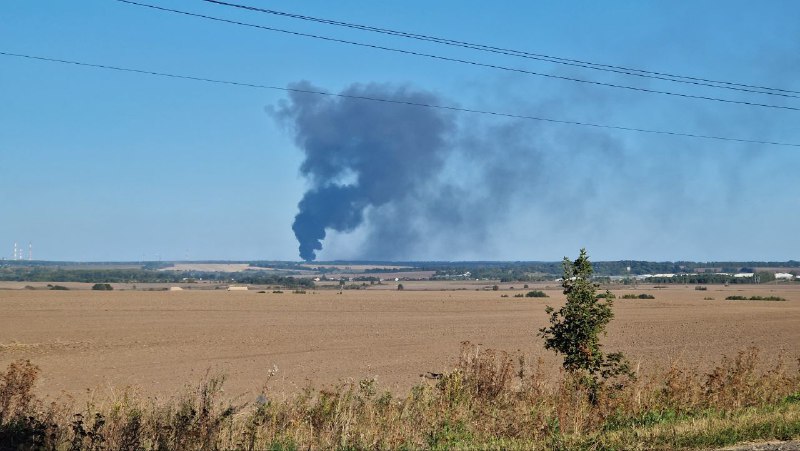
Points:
(575, 328)
(400, 286)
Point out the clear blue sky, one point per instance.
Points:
(99, 165)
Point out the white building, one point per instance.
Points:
(783, 276)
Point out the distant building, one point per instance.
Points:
(784, 276)
(744, 274)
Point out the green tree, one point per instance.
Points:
(575, 328)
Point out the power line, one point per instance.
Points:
(534, 56)
(462, 61)
(397, 102)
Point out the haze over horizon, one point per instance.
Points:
(110, 166)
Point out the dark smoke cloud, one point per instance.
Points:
(361, 154)
(411, 183)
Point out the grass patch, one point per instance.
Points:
(536, 294)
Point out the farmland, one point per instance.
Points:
(157, 342)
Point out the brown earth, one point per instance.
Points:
(161, 341)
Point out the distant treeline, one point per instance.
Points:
(533, 271)
(59, 274)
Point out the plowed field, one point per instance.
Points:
(161, 341)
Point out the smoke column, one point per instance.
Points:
(361, 154)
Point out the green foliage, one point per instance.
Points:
(700, 288)
(763, 276)
(575, 328)
(400, 287)
(102, 287)
(754, 298)
(638, 296)
(536, 294)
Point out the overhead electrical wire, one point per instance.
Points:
(462, 61)
(534, 56)
(397, 102)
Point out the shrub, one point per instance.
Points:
(536, 294)
(638, 296)
(102, 287)
(575, 330)
(58, 287)
(277, 292)
(700, 288)
(755, 298)
(400, 287)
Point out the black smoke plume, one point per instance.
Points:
(361, 154)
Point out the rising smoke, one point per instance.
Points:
(415, 183)
(361, 154)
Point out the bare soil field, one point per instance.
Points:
(159, 342)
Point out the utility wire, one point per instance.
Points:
(534, 56)
(397, 102)
(457, 60)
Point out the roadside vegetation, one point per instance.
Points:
(490, 400)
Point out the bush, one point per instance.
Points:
(58, 287)
(576, 327)
(102, 287)
(638, 296)
(536, 294)
(755, 298)
(400, 287)
(700, 288)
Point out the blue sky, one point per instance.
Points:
(100, 165)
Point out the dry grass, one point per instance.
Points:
(490, 400)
